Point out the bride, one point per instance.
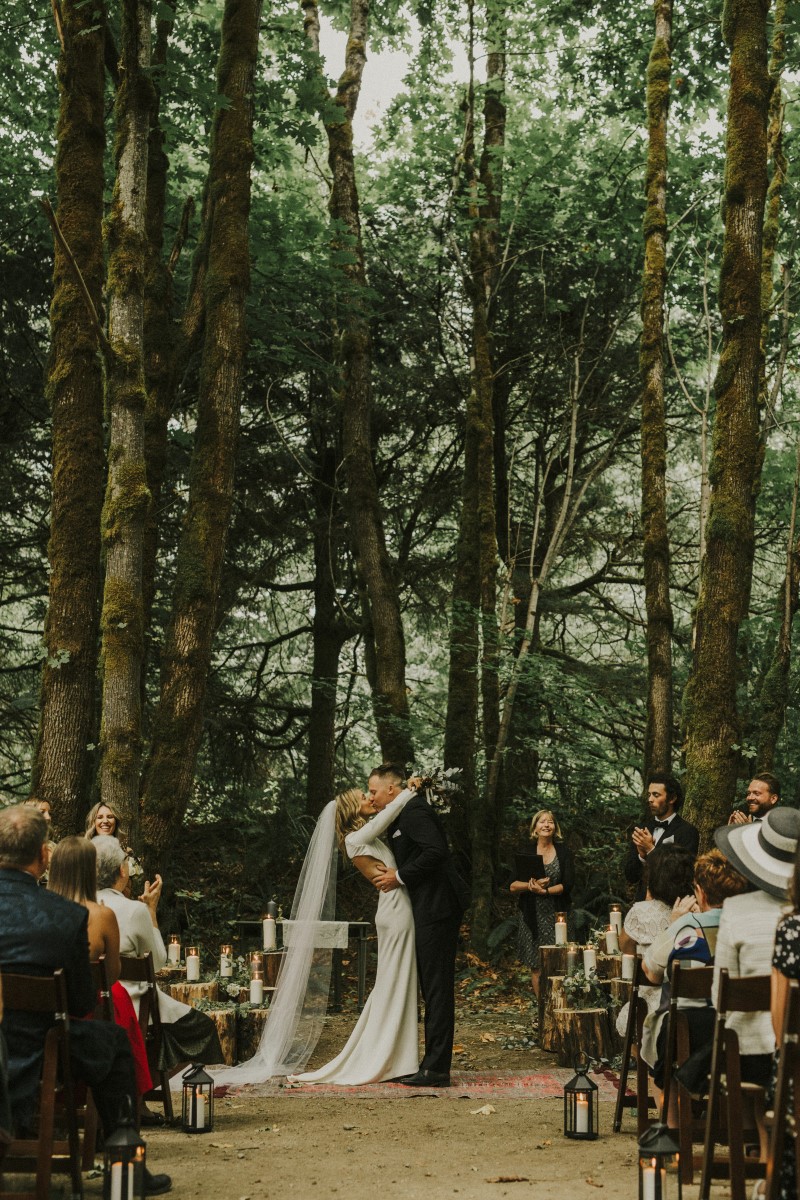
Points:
(384, 1043)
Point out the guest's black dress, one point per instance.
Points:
(786, 959)
(536, 922)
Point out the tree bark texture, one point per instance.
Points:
(777, 156)
(126, 496)
(178, 722)
(374, 566)
(710, 711)
(655, 534)
(62, 765)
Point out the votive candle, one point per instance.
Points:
(192, 964)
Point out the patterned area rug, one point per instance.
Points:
(470, 1085)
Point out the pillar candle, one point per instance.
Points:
(174, 949)
(270, 933)
(561, 932)
(199, 1109)
(612, 941)
(572, 959)
(615, 917)
(226, 962)
(628, 966)
(116, 1181)
(589, 960)
(581, 1113)
(256, 991)
(192, 965)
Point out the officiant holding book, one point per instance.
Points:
(543, 879)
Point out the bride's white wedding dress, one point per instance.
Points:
(385, 1040)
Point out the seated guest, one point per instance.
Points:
(73, 874)
(763, 794)
(691, 940)
(665, 826)
(41, 932)
(186, 1033)
(786, 966)
(764, 853)
(670, 878)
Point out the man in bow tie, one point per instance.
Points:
(665, 827)
(763, 794)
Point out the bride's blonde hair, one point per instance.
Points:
(348, 814)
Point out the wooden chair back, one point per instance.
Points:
(104, 1011)
(686, 983)
(736, 994)
(643, 1101)
(788, 1076)
(44, 1153)
(141, 970)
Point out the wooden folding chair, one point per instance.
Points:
(686, 983)
(643, 1101)
(104, 1011)
(45, 1154)
(141, 970)
(788, 1073)
(745, 994)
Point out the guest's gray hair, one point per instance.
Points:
(23, 832)
(110, 857)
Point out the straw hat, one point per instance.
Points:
(765, 851)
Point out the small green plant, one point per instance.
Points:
(584, 991)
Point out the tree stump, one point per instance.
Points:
(225, 1021)
(579, 1033)
(555, 999)
(190, 993)
(249, 1025)
(609, 966)
(272, 964)
(552, 962)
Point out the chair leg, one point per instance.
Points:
(711, 1116)
(642, 1096)
(90, 1126)
(44, 1160)
(685, 1134)
(626, 1058)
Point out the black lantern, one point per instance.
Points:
(659, 1165)
(581, 1105)
(198, 1100)
(124, 1162)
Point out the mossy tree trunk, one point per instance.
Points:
(62, 765)
(655, 533)
(178, 721)
(126, 496)
(710, 711)
(473, 679)
(383, 620)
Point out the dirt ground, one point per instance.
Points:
(399, 1149)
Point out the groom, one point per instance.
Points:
(438, 898)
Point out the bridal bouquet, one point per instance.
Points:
(439, 785)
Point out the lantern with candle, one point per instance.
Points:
(192, 964)
(659, 1165)
(581, 1105)
(124, 1159)
(226, 962)
(198, 1100)
(561, 929)
(174, 949)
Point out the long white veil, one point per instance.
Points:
(294, 1021)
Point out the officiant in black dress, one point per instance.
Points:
(544, 876)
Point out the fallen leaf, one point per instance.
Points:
(508, 1179)
(459, 1049)
(486, 1111)
(592, 1183)
(488, 1037)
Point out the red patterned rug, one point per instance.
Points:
(470, 1085)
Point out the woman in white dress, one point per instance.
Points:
(385, 1042)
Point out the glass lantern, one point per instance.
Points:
(659, 1165)
(198, 1100)
(581, 1105)
(124, 1162)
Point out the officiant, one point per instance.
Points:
(544, 874)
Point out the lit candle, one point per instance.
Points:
(256, 961)
(174, 948)
(199, 1109)
(589, 960)
(116, 1181)
(561, 929)
(612, 940)
(628, 966)
(572, 958)
(192, 964)
(225, 962)
(270, 933)
(581, 1113)
(256, 990)
(649, 1181)
(615, 917)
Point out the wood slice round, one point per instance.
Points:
(249, 1025)
(225, 1021)
(579, 1033)
(190, 993)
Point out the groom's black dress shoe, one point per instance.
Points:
(427, 1079)
(156, 1185)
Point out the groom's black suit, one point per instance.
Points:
(438, 898)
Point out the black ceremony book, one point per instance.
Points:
(529, 866)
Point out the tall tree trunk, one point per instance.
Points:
(710, 711)
(655, 544)
(390, 699)
(61, 769)
(178, 722)
(126, 497)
